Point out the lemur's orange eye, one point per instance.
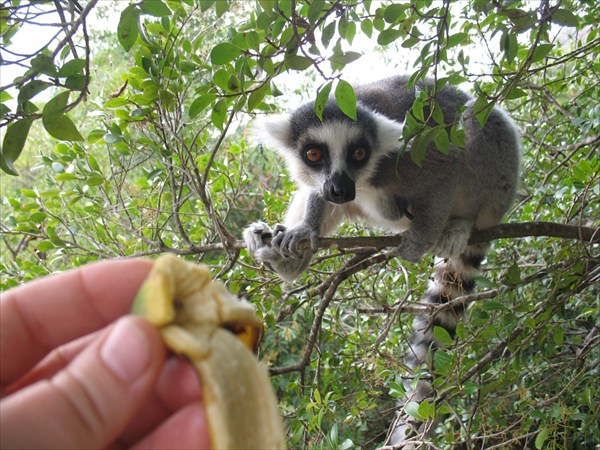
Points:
(359, 154)
(313, 154)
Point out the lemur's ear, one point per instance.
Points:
(389, 133)
(274, 131)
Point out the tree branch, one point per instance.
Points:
(502, 231)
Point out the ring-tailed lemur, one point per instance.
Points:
(357, 169)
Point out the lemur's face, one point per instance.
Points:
(336, 155)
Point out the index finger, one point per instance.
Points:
(44, 314)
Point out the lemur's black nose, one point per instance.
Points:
(339, 188)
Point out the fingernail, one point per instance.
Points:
(126, 352)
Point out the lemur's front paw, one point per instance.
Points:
(297, 242)
(280, 249)
(257, 236)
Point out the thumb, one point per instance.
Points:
(91, 401)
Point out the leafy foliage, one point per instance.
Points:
(164, 164)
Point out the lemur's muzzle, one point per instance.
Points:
(339, 188)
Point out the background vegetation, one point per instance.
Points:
(128, 129)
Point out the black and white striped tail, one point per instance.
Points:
(452, 278)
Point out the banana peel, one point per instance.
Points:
(219, 334)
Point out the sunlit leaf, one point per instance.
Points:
(43, 63)
(322, 98)
(442, 335)
(315, 9)
(13, 143)
(345, 58)
(346, 98)
(388, 36)
(61, 127)
(541, 51)
(31, 89)
(56, 122)
(256, 97)
(200, 104)
(155, 8)
(565, 17)
(297, 62)
(223, 53)
(128, 28)
(73, 67)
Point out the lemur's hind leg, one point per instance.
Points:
(452, 278)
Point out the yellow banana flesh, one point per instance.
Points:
(219, 334)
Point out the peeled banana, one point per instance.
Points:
(218, 333)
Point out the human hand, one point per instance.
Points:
(76, 374)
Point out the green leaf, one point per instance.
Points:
(457, 135)
(200, 104)
(346, 98)
(29, 193)
(513, 275)
(221, 7)
(322, 98)
(223, 53)
(482, 109)
(565, 17)
(61, 127)
(388, 36)
(205, 4)
(470, 388)
(297, 62)
(412, 409)
(128, 28)
(155, 8)
(327, 34)
(256, 97)
(221, 79)
(442, 335)
(95, 180)
(456, 39)
(37, 217)
(31, 89)
(43, 63)
(510, 45)
(420, 144)
(393, 12)
(345, 58)
(14, 141)
(314, 10)
(44, 246)
(366, 27)
(558, 336)
(541, 51)
(65, 176)
(75, 82)
(218, 114)
(73, 67)
(58, 124)
(443, 362)
(541, 438)
(57, 104)
(426, 410)
(116, 102)
(441, 140)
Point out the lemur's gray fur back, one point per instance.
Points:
(355, 169)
